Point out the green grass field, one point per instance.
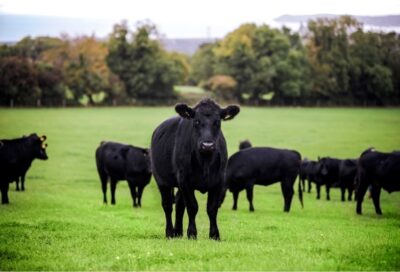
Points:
(60, 222)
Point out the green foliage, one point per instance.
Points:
(141, 63)
(222, 86)
(60, 222)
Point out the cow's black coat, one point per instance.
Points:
(189, 152)
(244, 144)
(347, 175)
(116, 161)
(380, 170)
(263, 166)
(16, 157)
(308, 171)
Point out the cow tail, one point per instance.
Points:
(300, 193)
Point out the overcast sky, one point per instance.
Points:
(180, 18)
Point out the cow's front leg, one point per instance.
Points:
(212, 211)
(166, 199)
(318, 191)
(361, 190)
(179, 211)
(328, 187)
(192, 208)
(17, 183)
(249, 194)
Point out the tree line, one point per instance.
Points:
(331, 62)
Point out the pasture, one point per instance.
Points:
(60, 222)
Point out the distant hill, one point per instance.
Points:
(186, 46)
(376, 21)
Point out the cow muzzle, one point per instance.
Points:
(207, 146)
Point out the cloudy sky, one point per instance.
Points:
(179, 18)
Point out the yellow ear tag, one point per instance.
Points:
(44, 145)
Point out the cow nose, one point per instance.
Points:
(207, 146)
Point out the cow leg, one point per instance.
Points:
(303, 182)
(328, 188)
(287, 191)
(249, 193)
(113, 184)
(350, 190)
(23, 182)
(132, 188)
(179, 211)
(376, 193)
(309, 186)
(362, 189)
(166, 199)
(139, 195)
(17, 183)
(192, 208)
(343, 191)
(103, 179)
(212, 211)
(318, 191)
(4, 193)
(235, 199)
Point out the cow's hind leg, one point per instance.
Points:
(17, 183)
(212, 211)
(132, 188)
(23, 182)
(249, 194)
(287, 191)
(113, 185)
(166, 199)
(235, 199)
(139, 195)
(4, 192)
(179, 211)
(343, 191)
(362, 189)
(103, 180)
(375, 194)
(328, 188)
(309, 186)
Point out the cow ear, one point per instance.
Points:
(229, 112)
(184, 111)
(319, 158)
(43, 138)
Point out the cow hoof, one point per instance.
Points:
(178, 233)
(379, 212)
(252, 209)
(234, 208)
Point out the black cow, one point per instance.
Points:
(116, 161)
(334, 172)
(263, 166)
(327, 174)
(308, 171)
(380, 170)
(244, 144)
(347, 175)
(16, 157)
(189, 152)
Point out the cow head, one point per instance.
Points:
(323, 166)
(244, 144)
(38, 146)
(206, 119)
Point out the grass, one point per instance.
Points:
(60, 223)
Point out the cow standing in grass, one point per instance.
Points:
(116, 161)
(189, 152)
(378, 170)
(308, 171)
(16, 156)
(263, 166)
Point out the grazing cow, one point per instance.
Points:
(347, 175)
(378, 170)
(16, 157)
(308, 171)
(189, 152)
(263, 166)
(244, 144)
(116, 161)
(327, 174)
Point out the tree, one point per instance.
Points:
(141, 63)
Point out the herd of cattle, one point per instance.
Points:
(188, 152)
